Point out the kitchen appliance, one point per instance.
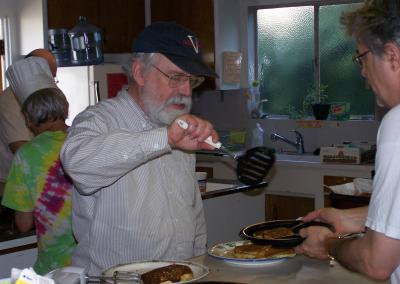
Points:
(86, 41)
(86, 85)
(59, 45)
(253, 165)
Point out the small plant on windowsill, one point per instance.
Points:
(316, 100)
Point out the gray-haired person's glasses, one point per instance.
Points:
(176, 80)
(358, 58)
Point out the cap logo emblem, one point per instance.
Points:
(194, 42)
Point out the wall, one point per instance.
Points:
(227, 110)
(226, 33)
(26, 23)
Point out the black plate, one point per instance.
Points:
(286, 242)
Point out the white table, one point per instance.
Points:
(299, 269)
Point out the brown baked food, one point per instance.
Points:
(252, 251)
(168, 274)
(275, 233)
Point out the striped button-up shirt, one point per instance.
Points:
(135, 198)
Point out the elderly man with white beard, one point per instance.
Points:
(136, 195)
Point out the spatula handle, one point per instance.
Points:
(184, 125)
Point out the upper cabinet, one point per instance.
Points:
(196, 15)
(120, 20)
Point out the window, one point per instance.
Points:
(300, 47)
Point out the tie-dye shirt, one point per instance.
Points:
(37, 183)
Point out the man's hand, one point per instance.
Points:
(343, 221)
(193, 137)
(318, 237)
(316, 243)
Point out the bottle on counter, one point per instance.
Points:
(257, 138)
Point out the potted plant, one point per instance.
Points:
(316, 99)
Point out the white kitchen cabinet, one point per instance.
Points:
(306, 179)
(18, 253)
(227, 215)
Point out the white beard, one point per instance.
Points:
(158, 113)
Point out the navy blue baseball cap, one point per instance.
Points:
(177, 43)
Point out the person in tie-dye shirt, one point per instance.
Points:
(37, 187)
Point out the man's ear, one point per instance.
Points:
(137, 73)
(392, 51)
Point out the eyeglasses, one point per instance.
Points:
(176, 80)
(357, 58)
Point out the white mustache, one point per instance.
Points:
(179, 99)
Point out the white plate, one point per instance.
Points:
(199, 271)
(224, 251)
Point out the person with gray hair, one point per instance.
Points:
(376, 252)
(37, 187)
(136, 194)
(13, 131)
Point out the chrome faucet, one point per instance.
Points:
(299, 143)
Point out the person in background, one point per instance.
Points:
(37, 187)
(13, 130)
(376, 28)
(132, 165)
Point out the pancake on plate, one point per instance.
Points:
(252, 251)
(168, 274)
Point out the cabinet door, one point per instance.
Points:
(196, 15)
(120, 20)
(279, 207)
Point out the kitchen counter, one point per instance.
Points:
(299, 269)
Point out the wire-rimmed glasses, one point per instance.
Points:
(358, 58)
(176, 80)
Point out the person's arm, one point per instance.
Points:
(12, 123)
(97, 152)
(14, 146)
(24, 221)
(374, 254)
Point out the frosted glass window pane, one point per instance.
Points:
(343, 77)
(285, 53)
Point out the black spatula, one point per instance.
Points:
(253, 165)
